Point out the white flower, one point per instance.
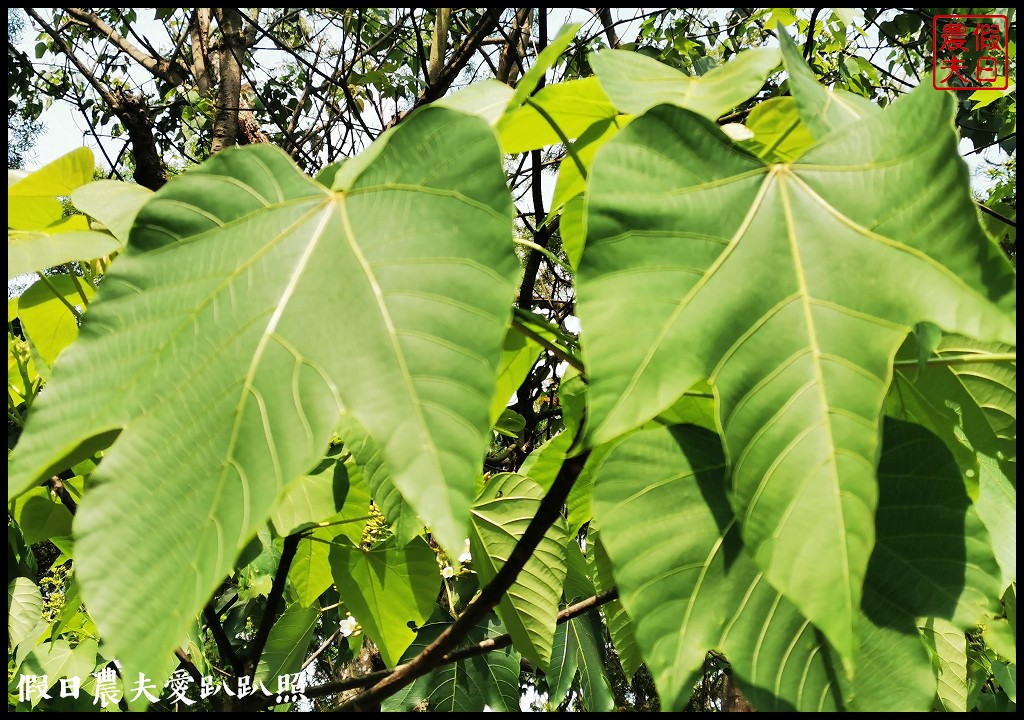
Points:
(348, 626)
(448, 572)
(737, 131)
(466, 557)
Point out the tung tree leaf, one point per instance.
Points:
(779, 133)
(821, 109)
(635, 82)
(32, 201)
(252, 306)
(972, 407)
(113, 203)
(390, 590)
(47, 321)
(24, 610)
(572, 106)
(933, 556)
(287, 643)
(690, 586)
(501, 514)
(789, 286)
(29, 251)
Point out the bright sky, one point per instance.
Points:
(66, 129)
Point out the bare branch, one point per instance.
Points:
(158, 66)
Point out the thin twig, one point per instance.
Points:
(970, 359)
(481, 648)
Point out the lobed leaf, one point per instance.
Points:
(386, 297)
(678, 219)
(501, 514)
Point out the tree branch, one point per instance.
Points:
(158, 66)
(484, 27)
(433, 655)
(438, 45)
(130, 110)
(605, 16)
(510, 62)
(227, 652)
(809, 45)
(291, 544)
(481, 648)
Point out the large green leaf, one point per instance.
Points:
(388, 297)
(1000, 633)
(56, 659)
(620, 626)
(310, 573)
(40, 516)
(779, 133)
(636, 82)
(31, 251)
(800, 359)
(113, 203)
(488, 680)
(584, 636)
(390, 590)
(518, 355)
(501, 514)
(45, 316)
(32, 202)
(329, 494)
(369, 463)
(571, 106)
(546, 58)
(287, 643)
(690, 586)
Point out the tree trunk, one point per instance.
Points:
(229, 90)
(732, 697)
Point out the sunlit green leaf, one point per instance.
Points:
(45, 316)
(518, 355)
(389, 590)
(310, 573)
(779, 133)
(287, 643)
(635, 82)
(113, 203)
(24, 610)
(572, 106)
(328, 493)
(501, 514)
(949, 647)
(40, 515)
(31, 251)
(822, 110)
(409, 260)
(32, 202)
(800, 359)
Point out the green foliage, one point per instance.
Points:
(788, 437)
